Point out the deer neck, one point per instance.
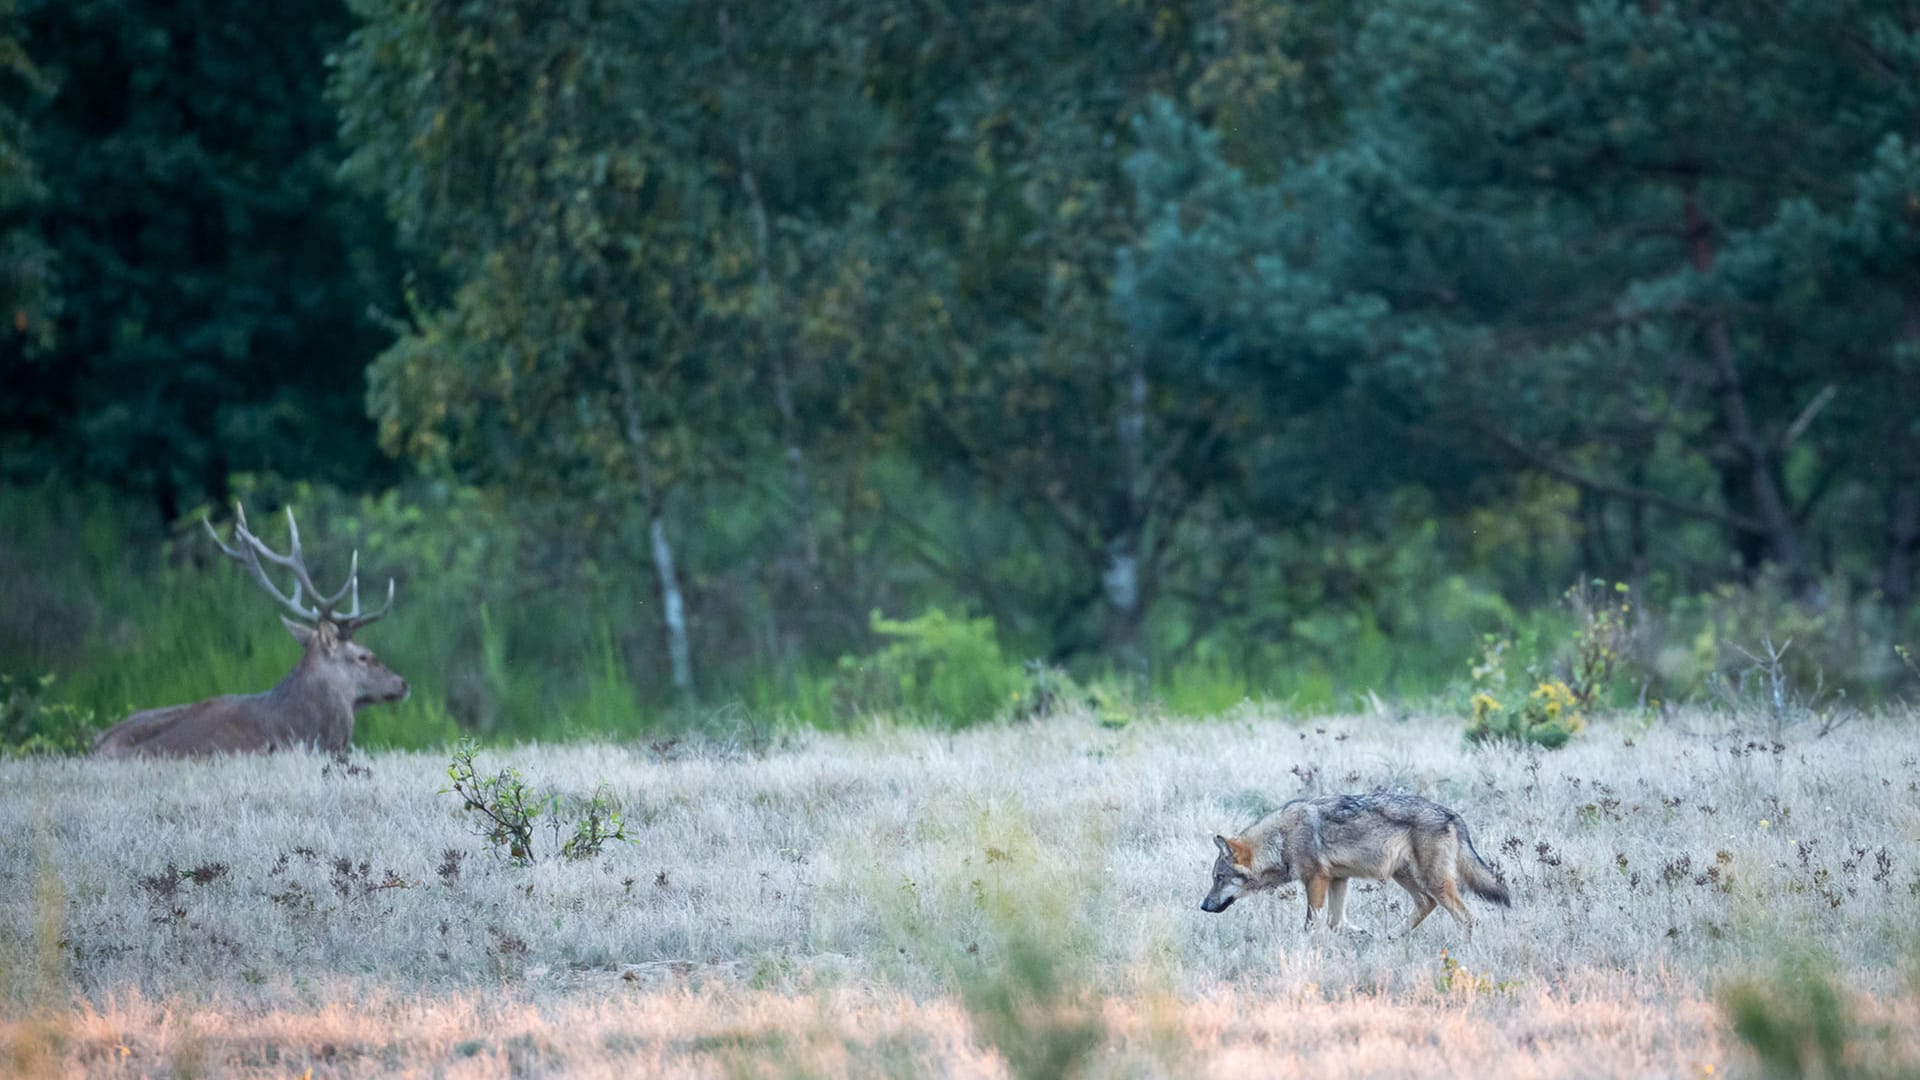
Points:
(316, 689)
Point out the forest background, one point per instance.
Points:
(728, 365)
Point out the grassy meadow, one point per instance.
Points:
(1016, 899)
(869, 491)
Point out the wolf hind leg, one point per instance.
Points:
(1423, 903)
(1336, 902)
(1450, 899)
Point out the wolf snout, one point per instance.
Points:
(1215, 907)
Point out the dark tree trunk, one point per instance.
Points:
(1750, 545)
(1637, 531)
(1755, 463)
(1592, 539)
(1903, 499)
(166, 495)
(1903, 531)
(780, 368)
(1122, 579)
(799, 488)
(218, 479)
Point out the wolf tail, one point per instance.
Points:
(1475, 872)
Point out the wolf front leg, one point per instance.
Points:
(1336, 902)
(1316, 898)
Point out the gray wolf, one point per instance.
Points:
(1323, 842)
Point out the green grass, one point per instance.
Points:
(127, 617)
(503, 640)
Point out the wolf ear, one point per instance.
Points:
(1238, 852)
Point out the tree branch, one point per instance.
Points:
(1069, 517)
(1678, 507)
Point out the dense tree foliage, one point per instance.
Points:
(27, 274)
(1157, 333)
(214, 283)
(1659, 252)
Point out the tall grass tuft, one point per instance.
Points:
(1799, 1023)
(34, 990)
(1028, 1008)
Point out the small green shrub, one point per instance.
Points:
(933, 667)
(1547, 715)
(30, 724)
(508, 811)
(1541, 711)
(507, 808)
(599, 821)
(1603, 636)
(1547, 706)
(1050, 691)
(1457, 979)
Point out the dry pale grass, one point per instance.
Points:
(854, 905)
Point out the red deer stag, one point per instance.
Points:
(312, 706)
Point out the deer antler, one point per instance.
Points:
(250, 549)
(353, 620)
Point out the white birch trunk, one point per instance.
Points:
(673, 606)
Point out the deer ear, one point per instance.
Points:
(301, 632)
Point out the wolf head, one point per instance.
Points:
(1232, 875)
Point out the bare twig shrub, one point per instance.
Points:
(1766, 689)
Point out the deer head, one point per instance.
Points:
(313, 706)
(332, 660)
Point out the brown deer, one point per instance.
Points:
(313, 706)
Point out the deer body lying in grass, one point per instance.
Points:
(313, 706)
